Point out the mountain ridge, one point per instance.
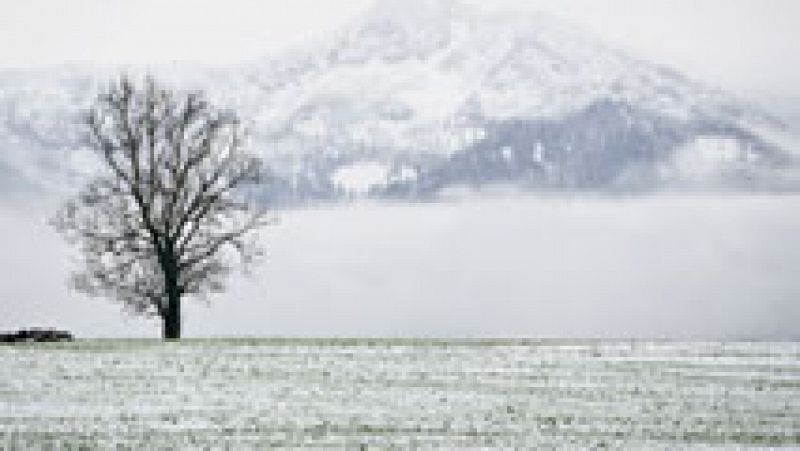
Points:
(416, 88)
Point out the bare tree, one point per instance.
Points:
(167, 217)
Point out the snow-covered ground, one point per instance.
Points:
(406, 393)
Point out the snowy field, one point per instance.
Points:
(428, 393)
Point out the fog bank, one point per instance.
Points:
(661, 267)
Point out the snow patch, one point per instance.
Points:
(711, 155)
(359, 178)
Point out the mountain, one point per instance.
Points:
(415, 98)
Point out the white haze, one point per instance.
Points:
(669, 266)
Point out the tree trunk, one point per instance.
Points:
(172, 319)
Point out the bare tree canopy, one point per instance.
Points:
(167, 217)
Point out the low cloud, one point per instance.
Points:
(663, 267)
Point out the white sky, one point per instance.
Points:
(48, 32)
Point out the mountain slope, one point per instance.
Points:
(414, 97)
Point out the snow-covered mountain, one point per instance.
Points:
(414, 98)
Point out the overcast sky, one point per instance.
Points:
(751, 47)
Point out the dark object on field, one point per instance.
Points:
(36, 335)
